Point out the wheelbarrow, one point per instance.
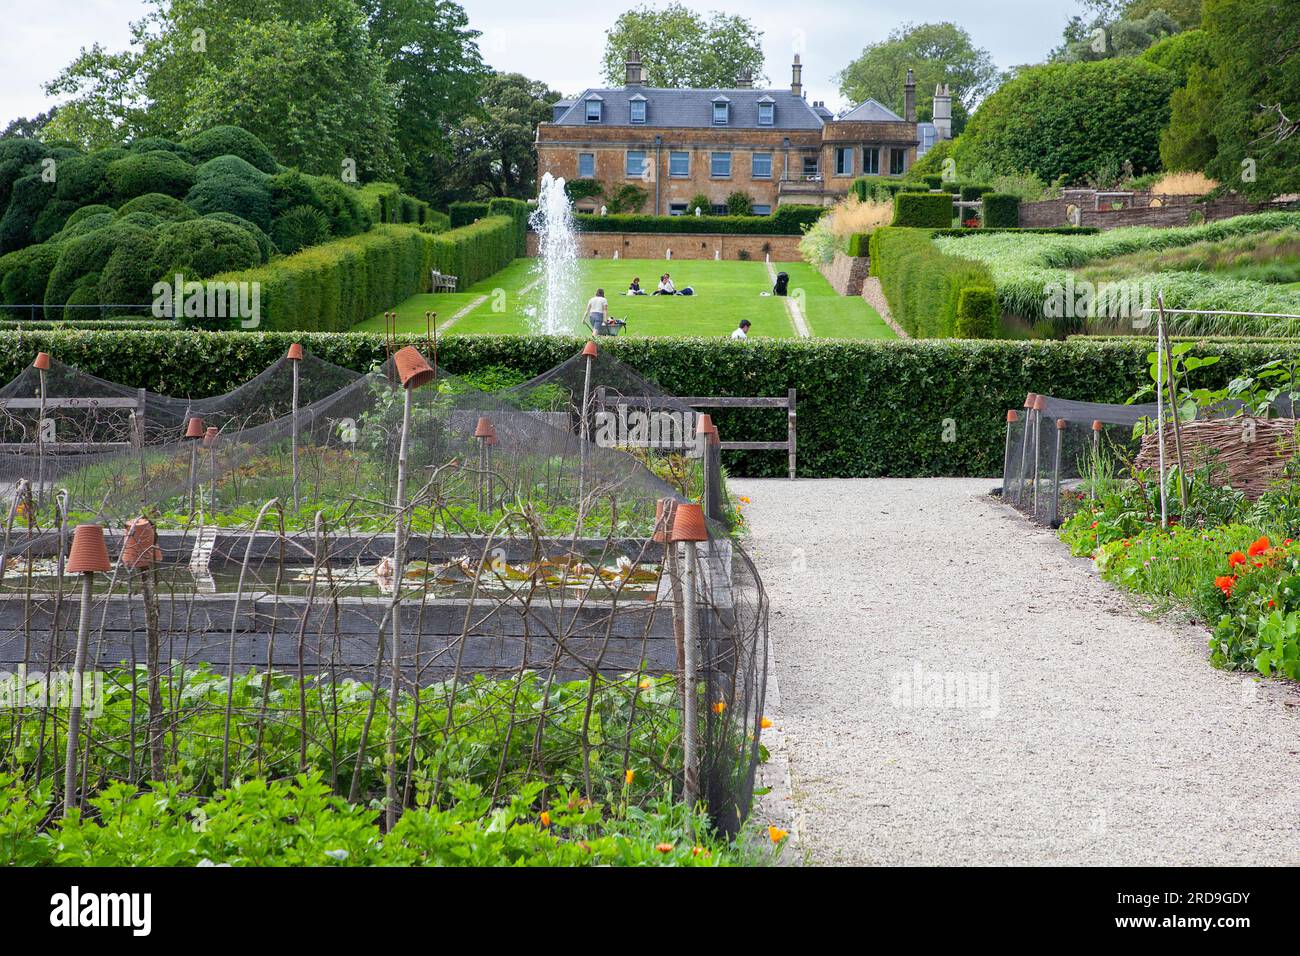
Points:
(610, 326)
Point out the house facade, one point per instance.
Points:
(676, 144)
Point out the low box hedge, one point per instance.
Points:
(786, 221)
(901, 393)
(923, 284)
(924, 210)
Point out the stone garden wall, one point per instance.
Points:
(686, 245)
(846, 273)
(1144, 209)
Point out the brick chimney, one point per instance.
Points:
(943, 111)
(635, 76)
(746, 80)
(796, 77)
(909, 97)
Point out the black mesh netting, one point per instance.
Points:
(414, 588)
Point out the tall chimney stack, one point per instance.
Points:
(796, 77)
(635, 76)
(909, 97)
(746, 80)
(943, 111)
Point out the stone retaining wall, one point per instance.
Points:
(846, 273)
(685, 245)
(1145, 210)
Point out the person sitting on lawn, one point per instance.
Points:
(597, 309)
(635, 287)
(741, 334)
(666, 285)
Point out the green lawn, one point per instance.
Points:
(726, 292)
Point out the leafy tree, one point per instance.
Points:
(491, 147)
(1072, 119)
(1252, 95)
(1180, 53)
(25, 127)
(433, 60)
(680, 48)
(938, 53)
(299, 74)
(1103, 39)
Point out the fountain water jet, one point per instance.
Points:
(558, 308)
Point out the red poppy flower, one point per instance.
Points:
(1235, 559)
(1259, 546)
(1225, 584)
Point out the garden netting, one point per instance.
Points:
(483, 603)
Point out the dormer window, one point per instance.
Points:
(721, 111)
(593, 109)
(766, 113)
(638, 109)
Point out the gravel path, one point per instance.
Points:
(1088, 734)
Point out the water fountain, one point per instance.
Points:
(558, 298)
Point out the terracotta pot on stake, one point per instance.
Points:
(1040, 405)
(664, 509)
(295, 359)
(483, 430)
(704, 430)
(589, 353)
(1096, 454)
(1056, 474)
(42, 365)
(89, 556)
(140, 553)
(491, 443)
(194, 432)
(689, 529)
(413, 370)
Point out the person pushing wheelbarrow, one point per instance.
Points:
(598, 317)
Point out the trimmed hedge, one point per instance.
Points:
(877, 187)
(473, 252)
(922, 284)
(1001, 210)
(517, 210)
(858, 244)
(231, 141)
(924, 210)
(333, 286)
(901, 392)
(1044, 230)
(978, 314)
(973, 191)
(465, 213)
(777, 224)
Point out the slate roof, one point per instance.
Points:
(678, 109)
(872, 111)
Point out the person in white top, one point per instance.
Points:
(597, 309)
(742, 333)
(666, 285)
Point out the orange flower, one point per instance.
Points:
(627, 777)
(765, 723)
(700, 851)
(1235, 559)
(645, 684)
(1225, 583)
(1258, 546)
(720, 706)
(546, 818)
(1287, 542)
(776, 834)
(664, 847)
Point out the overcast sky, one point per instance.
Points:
(560, 41)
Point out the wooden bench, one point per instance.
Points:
(134, 406)
(441, 282)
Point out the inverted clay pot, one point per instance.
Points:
(295, 353)
(89, 553)
(688, 523)
(413, 369)
(42, 361)
(484, 428)
(195, 429)
(140, 544)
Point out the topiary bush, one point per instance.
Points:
(244, 198)
(345, 212)
(202, 248)
(84, 179)
(231, 141)
(30, 194)
(229, 165)
(18, 158)
(81, 261)
(24, 274)
(157, 172)
(924, 210)
(51, 219)
(518, 210)
(158, 204)
(87, 224)
(298, 228)
(1001, 210)
(978, 314)
(923, 285)
(151, 144)
(265, 247)
(130, 272)
(94, 209)
(973, 191)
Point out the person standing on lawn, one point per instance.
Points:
(597, 309)
(741, 334)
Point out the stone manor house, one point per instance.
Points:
(772, 144)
